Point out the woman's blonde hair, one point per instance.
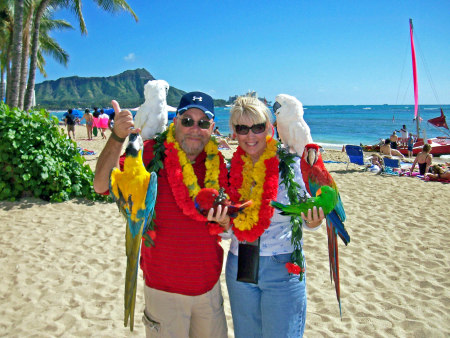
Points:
(426, 147)
(437, 169)
(251, 108)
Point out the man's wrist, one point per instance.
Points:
(117, 137)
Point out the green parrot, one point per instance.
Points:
(325, 198)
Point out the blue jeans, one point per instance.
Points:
(275, 307)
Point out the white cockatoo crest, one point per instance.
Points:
(292, 128)
(151, 116)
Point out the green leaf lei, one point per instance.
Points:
(293, 188)
(158, 153)
(155, 165)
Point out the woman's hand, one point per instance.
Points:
(221, 217)
(314, 218)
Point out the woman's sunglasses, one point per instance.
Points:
(256, 128)
(188, 122)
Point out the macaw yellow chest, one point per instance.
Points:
(131, 184)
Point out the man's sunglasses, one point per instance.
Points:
(188, 122)
(256, 128)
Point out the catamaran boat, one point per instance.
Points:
(439, 145)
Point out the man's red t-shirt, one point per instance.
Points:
(186, 259)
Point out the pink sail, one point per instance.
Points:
(413, 55)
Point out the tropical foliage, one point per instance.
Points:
(36, 159)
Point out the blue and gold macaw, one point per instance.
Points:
(134, 190)
(315, 176)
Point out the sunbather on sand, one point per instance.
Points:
(386, 149)
(423, 160)
(438, 173)
(376, 163)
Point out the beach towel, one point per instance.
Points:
(85, 151)
(442, 180)
(390, 171)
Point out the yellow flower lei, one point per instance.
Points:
(212, 165)
(252, 186)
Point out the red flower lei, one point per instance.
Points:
(179, 190)
(270, 191)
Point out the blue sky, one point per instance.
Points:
(322, 52)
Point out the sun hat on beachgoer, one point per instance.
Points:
(198, 100)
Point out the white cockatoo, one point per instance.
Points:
(294, 132)
(151, 116)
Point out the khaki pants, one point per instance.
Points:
(173, 315)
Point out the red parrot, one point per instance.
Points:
(315, 175)
(208, 198)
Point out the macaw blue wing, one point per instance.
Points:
(338, 212)
(340, 209)
(150, 199)
(337, 223)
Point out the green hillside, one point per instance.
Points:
(73, 92)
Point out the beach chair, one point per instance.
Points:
(389, 165)
(355, 154)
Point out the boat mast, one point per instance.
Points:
(416, 87)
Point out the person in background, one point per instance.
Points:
(404, 133)
(438, 173)
(111, 120)
(394, 139)
(181, 271)
(276, 305)
(89, 122)
(217, 132)
(386, 149)
(95, 114)
(410, 145)
(376, 163)
(102, 116)
(69, 121)
(423, 160)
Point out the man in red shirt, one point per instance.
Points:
(181, 271)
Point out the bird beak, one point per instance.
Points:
(312, 157)
(276, 106)
(134, 144)
(319, 192)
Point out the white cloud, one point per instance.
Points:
(130, 57)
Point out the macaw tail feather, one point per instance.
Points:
(333, 256)
(133, 245)
(245, 205)
(234, 210)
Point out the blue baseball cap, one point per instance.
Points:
(198, 100)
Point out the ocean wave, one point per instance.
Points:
(331, 146)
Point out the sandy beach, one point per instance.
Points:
(64, 264)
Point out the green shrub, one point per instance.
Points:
(37, 160)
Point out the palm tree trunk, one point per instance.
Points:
(2, 84)
(33, 56)
(25, 54)
(16, 53)
(8, 81)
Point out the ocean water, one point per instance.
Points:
(333, 126)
